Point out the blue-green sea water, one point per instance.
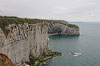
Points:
(88, 43)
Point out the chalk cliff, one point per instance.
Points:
(22, 40)
(62, 28)
(21, 37)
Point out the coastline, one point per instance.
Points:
(63, 34)
(53, 34)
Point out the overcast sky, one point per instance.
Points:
(70, 10)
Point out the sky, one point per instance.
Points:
(69, 10)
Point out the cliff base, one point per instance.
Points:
(44, 58)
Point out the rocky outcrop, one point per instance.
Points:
(62, 28)
(23, 40)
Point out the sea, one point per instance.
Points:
(87, 43)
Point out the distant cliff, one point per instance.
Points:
(21, 37)
(61, 27)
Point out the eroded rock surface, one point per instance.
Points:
(62, 28)
(22, 40)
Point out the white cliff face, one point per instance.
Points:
(22, 40)
(57, 28)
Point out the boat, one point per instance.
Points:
(75, 54)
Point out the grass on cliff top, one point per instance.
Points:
(59, 21)
(52, 21)
(72, 26)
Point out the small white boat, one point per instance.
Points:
(75, 54)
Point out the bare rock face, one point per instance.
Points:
(58, 28)
(22, 40)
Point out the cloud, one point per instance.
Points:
(71, 10)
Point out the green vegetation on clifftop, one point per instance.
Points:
(6, 20)
(72, 26)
